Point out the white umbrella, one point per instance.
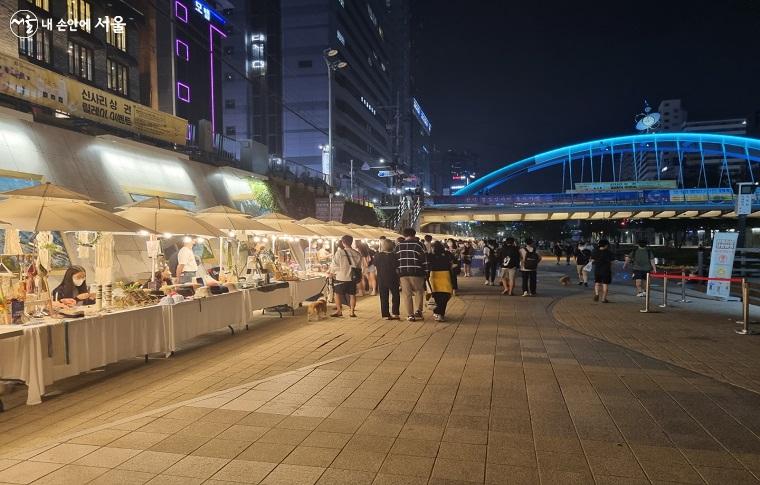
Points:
(321, 227)
(228, 219)
(49, 207)
(285, 225)
(164, 217)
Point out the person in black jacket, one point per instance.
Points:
(509, 258)
(582, 257)
(388, 280)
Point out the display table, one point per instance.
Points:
(44, 352)
(189, 319)
(301, 291)
(56, 349)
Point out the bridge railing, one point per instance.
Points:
(627, 198)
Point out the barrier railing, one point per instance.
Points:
(745, 330)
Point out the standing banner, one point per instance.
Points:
(722, 263)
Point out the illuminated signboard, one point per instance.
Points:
(208, 12)
(420, 115)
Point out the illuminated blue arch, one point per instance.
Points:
(635, 149)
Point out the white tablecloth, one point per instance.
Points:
(301, 290)
(197, 317)
(44, 353)
(39, 356)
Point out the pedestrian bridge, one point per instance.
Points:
(654, 175)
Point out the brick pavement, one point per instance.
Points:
(502, 394)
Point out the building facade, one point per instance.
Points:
(252, 82)
(364, 103)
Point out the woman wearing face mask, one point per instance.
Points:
(73, 290)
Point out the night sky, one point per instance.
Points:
(508, 79)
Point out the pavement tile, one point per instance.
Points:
(69, 474)
(243, 471)
(293, 475)
(407, 465)
(510, 475)
(107, 457)
(387, 479)
(123, 477)
(266, 452)
(312, 456)
(413, 447)
(177, 443)
(284, 436)
(377, 444)
(462, 452)
(196, 467)
(151, 461)
(65, 453)
(337, 476)
(242, 432)
(99, 438)
(670, 472)
(218, 448)
(174, 480)
(366, 461)
(726, 475)
(264, 420)
(466, 471)
(27, 471)
(138, 440)
(327, 439)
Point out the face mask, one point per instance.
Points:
(78, 281)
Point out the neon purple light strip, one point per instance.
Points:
(211, 30)
(183, 87)
(185, 47)
(177, 6)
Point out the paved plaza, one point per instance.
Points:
(552, 389)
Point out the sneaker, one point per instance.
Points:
(525, 293)
(394, 317)
(605, 300)
(436, 317)
(410, 318)
(441, 319)
(641, 294)
(585, 284)
(486, 283)
(596, 297)
(580, 283)
(418, 315)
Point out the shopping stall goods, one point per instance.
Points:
(42, 353)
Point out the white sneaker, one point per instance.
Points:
(487, 283)
(525, 293)
(641, 294)
(436, 317)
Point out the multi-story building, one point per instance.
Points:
(252, 85)
(451, 170)
(364, 104)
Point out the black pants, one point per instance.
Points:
(441, 300)
(454, 284)
(490, 271)
(395, 300)
(529, 281)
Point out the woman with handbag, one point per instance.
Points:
(346, 273)
(440, 264)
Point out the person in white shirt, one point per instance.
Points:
(186, 264)
(344, 259)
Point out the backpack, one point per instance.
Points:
(637, 259)
(531, 260)
(491, 254)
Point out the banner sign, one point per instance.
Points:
(623, 185)
(29, 82)
(327, 210)
(722, 263)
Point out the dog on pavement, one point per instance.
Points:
(565, 280)
(317, 310)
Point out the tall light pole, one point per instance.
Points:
(332, 64)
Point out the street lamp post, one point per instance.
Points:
(332, 65)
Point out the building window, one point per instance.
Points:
(80, 61)
(305, 63)
(79, 13)
(117, 39)
(230, 131)
(340, 37)
(118, 77)
(36, 47)
(229, 103)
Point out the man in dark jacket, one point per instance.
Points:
(412, 269)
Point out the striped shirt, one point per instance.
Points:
(412, 260)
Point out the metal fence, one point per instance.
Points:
(292, 171)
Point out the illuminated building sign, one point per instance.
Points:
(207, 12)
(420, 115)
(258, 59)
